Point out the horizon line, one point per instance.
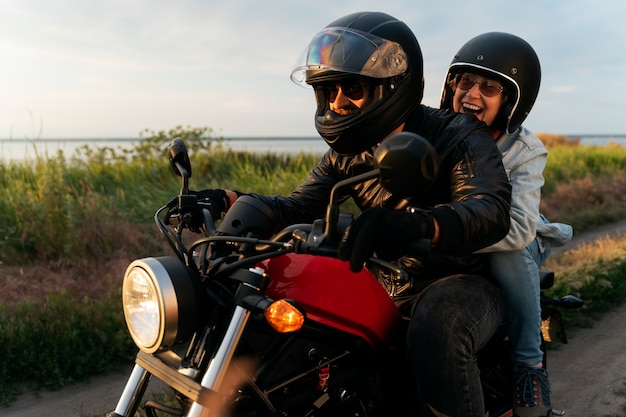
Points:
(128, 138)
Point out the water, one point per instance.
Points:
(11, 149)
(22, 149)
(600, 140)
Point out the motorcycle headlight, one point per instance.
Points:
(160, 302)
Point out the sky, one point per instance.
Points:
(115, 68)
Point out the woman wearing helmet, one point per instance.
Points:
(366, 72)
(495, 76)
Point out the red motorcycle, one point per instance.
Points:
(250, 327)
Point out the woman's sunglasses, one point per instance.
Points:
(488, 88)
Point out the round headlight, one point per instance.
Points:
(159, 299)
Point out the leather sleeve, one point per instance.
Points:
(309, 200)
(478, 213)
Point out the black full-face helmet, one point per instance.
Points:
(506, 58)
(365, 44)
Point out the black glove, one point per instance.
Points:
(384, 231)
(215, 200)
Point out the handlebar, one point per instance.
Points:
(418, 248)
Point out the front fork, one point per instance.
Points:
(220, 363)
(133, 392)
(166, 368)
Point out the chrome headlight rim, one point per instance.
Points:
(176, 299)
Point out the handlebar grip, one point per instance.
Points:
(305, 248)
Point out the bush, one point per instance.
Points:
(594, 272)
(585, 186)
(587, 202)
(60, 341)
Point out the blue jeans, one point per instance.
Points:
(517, 273)
(452, 320)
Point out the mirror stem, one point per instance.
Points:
(332, 214)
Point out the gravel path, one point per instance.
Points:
(93, 398)
(588, 375)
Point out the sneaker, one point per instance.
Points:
(531, 393)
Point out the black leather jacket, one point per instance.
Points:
(470, 199)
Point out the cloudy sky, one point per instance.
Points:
(112, 68)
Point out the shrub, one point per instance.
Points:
(594, 272)
(62, 340)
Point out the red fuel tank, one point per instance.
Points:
(333, 295)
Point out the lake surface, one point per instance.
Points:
(22, 149)
(14, 149)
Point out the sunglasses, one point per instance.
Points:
(487, 88)
(353, 89)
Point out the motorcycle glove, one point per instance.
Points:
(216, 199)
(388, 233)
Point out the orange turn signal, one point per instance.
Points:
(284, 317)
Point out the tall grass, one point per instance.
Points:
(59, 208)
(585, 185)
(594, 272)
(571, 163)
(65, 209)
(56, 208)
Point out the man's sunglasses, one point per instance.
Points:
(488, 88)
(353, 89)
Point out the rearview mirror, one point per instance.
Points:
(408, 164)
(179, 158)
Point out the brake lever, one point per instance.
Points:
(209, 222)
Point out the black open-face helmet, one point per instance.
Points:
(506, 58)
(365, 44)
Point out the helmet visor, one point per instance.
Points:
(349, 51)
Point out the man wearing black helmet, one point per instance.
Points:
(366, 71)
(495, 76)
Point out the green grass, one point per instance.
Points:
(56, 208)
(585, 185)
(571, 163)
(595, 272)
(60, 341)
(79, 212)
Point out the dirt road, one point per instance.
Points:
(588, 375)
(93, 398)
